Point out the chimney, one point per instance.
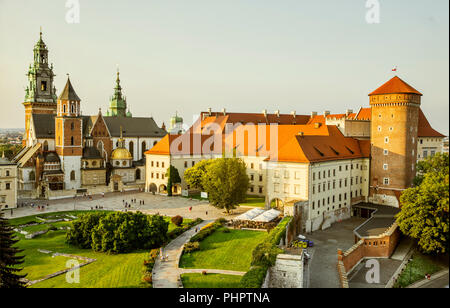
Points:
(224, 111)
(209, 111)
(348, 112)
(326, 113)
(277, 113)
(313, 114)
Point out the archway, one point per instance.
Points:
(152, 188)
(277, 204)
(176, 189)
(162, 189)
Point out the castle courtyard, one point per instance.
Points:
(153, 204)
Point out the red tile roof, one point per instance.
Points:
(395, 85)
(425, 129)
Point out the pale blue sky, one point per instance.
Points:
(244, 55)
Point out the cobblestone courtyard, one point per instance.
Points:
(153, 204)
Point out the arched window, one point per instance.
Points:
(72, 126)
(138, 174)
(72, 175)
(64, 108)
(32, 176)
(73, 108)
(71, 141)
(144, 145)
(131, 148)
(100, 148)
(45, 146)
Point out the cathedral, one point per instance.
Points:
(65, 151)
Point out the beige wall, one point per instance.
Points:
(428, 146)
(8, 186)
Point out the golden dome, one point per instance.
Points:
(121, 153)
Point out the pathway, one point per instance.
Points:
(166, 274)
(210, 271)
(438, 280)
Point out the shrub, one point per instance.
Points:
(226, 230)
(177, 220)
(191, 247)
(254, 278)
(206, 231)
(118, 232)
(264, 256)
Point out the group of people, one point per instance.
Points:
(161, 254)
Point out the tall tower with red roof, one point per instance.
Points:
(394, 128)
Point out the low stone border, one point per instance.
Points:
(56, 254)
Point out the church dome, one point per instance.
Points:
(121, 153)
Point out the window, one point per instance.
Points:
(43, 85)
(71, 141)
(7, 172)
(260, 178)
(260, 189)
(314, 176)
(386, 152)
(8, 186)
(391, 129)
(386, 139)
(251, 188)
(144, 148)
(432, 153)
(386, 181)
(385, 167)
(193, 163)
(425, 154)
(286, 174)
(251, 177)
(276, 188)
(297, 189)
(162, 165)
(251, 166)
(157, 164)
(138, 174)
(297, 175)
(64, 108)
(72, 126)
(185, 164)
(72, 175)
(72, 107)
(379, 128)
(152, 163)
(131, 148)
(286, 188)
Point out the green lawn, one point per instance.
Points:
(416, 270)
(109, 271)
(255, 201)
(200, 281)
(227, 251)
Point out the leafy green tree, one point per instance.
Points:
(9, 260)
(194, 176)
(173, 177)
(424, 215)
(10, 150)
(80, 233)
(226, 182)
(437, 163)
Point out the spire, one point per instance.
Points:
(69, 93)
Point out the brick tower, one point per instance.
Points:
(40, 94)
(68, 136)
(395, 115)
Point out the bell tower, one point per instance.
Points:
(69, 135)
(118, 102)
(394, 128)
(40, 93)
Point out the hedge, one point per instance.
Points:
(180, 230)
(264, 256)
(208, 230)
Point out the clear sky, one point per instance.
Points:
(242, 55)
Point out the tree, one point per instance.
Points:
(194, 175)
(226, 182)
(424, 215)
(437, 163)
(8, 257)
(173, 177)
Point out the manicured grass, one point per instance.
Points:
(254, 201)
(227, 251)
(109, 271)
(199, 281)
(416, 270)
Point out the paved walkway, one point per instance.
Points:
(166, 274)
(438, 280)
(210, 271)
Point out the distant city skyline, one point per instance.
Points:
(244, 56)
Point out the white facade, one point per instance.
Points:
(8, 186)
(71, 165)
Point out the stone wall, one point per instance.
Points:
(286, 273)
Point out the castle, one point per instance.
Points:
(66, 152)
(324, 165)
